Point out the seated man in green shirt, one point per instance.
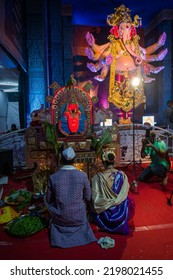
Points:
(158, 152)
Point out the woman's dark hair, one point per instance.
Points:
(111, 158)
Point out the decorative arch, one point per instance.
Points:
(76, 103)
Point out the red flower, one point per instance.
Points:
(114, 31)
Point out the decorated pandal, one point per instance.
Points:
(71, 117)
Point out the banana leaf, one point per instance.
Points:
(105, 139)
(50, 131)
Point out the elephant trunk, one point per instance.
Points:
(128, 45)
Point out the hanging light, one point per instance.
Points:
(135, 82)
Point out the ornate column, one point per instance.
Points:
(61, 59)
(36, 56)
(49, 45)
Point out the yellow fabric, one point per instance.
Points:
(7, 214)
(102, 195)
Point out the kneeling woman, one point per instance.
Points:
(112, 209)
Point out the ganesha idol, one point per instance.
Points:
(125, 59)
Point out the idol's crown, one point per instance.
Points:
(122, 14)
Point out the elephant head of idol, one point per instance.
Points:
(125, 30)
